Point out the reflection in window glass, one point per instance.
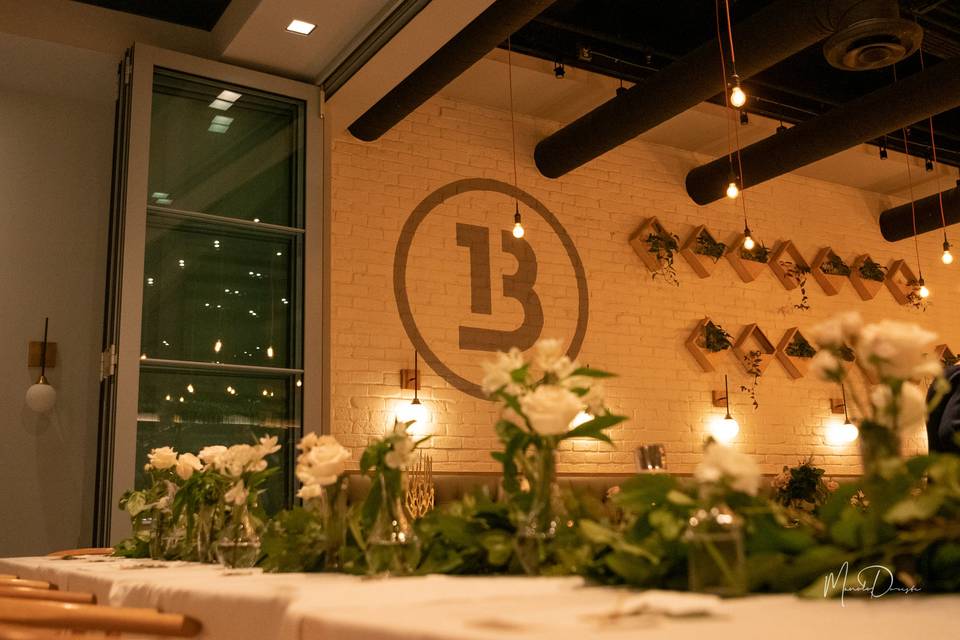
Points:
(227, 152)
(214, 294)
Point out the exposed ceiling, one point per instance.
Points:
(199, 14)
(632, 40)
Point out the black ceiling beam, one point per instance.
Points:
(897, 223)
(770, 35)
(490, 28)
(898, 105)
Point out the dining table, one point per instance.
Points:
(250, 604)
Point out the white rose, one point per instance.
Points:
(209, 455)
(549, 356)
(187, 463)
(323, 463)
(268, 445)
(310, 491)
(723, 463)
(162, 458)
(237, 494)
(897, 349)
(400, 453)
(838, 330)
(912, 410)
(308, 441)
(551, 409)
(824, 365)
(499, 373)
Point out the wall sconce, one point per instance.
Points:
(42, 396)
(841, 434)
(724, 431)
(415, 411)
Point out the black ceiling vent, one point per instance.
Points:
(872, 35)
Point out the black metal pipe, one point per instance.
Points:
(897, 223)
(893, 107)
(489, 29)
(772, 34)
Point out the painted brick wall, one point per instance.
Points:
(636, 325)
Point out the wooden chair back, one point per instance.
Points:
(87, 617)
(54, 595)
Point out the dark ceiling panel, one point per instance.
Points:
(632, 40)
(199, 14)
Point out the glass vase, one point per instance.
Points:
(540, 522)
(208, 526)
(716, 562)
(392, 546)
(333, 516)
(158, 523)
(877, 443)
(238, 546)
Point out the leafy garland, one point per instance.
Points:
(799, 347)
(664, 245)
(708, 246)
(870, 270)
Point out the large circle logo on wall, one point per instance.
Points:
(465, 287)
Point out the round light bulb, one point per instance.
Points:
(732, 190)
(841, 434)
(924, 292)
(947, 257)
(412, 412)
(517, 230)
(724, 431)
(737, 97)
(748, 243)
(41, 397)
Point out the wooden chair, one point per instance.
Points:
(88, 617)
(84, 551)
(55, 595)
(29, 584)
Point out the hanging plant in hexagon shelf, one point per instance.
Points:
(702, 251)
(791, 270)
(656, 248)
(706, 342)
(754, 351)
(748, 264)
(867, 277)
(794, 352)
(830, 271)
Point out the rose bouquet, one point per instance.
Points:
(545, 402)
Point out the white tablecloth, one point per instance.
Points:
(250, 604)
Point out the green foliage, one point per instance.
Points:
(753, 360)
(715, 338)
(759, 253)
(664, 245)
(870, 270)
(800, 348)
(707, 246)
(801, 487)
(835, 266)
(798, 273)
(293, 541)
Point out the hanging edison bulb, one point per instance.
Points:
(923, 291)
(517, 226)
(947, 257)
(270, 352)
(738, 97)
(748, 242)
(217, 346)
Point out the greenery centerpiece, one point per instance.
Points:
(545, 402)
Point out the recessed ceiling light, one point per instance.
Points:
(229, 96)
(218, 128)
(301, 27)
(223, 105)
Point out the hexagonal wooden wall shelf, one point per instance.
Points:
(945, 355)
(900, 281)
(795, 366)
(692, 251)
(638, 240)
(748, 270)
(785, 252)
(831, 283)
(696, 345)
(866, 288)
(751, 338)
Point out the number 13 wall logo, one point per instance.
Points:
(476, 243)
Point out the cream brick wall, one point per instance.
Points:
(636, 325)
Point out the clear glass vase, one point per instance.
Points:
(392, 546)
(333, 516)
(158, 523)
(238, 546)
(716, 561)
(877, 443)
(540, 523)
(209, 522)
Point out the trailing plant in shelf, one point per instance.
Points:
(798, 273)
(870, 270)
(760, 253)
(753, 363)
(799, 347)
(708, 246)
(835, 266)
(716, 338)
(664, 246)
(914, 299)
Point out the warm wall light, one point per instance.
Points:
(725, 430)
(415, 411)
(301, 27)
(839, 434)
(42, 396)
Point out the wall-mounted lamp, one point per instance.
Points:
(42, 396)
(724, 431)
(415, 411)
(841, 434)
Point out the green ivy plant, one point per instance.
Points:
(753, 360)
(870, 270)
(798, 273)
(664, 245)
(759, 253)
(715, 338)
(799, 347)
(835, 266)
(707, 246)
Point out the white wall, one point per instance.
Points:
(56, 133)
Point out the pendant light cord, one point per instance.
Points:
(513, 126)
(933, 147)
(43, 348)
(913, 204)
(416, 376)
(726, 391)
(726, 101)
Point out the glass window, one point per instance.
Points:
(222, 328)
